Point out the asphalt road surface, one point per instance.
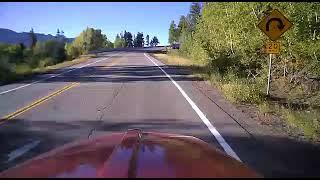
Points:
(121, 90)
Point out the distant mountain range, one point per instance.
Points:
(12, 37)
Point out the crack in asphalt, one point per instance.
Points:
(101, 111)
(234, 119)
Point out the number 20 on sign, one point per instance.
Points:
(272, 47)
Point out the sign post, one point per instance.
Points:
(271, 48)
(269, 74)
(273, 25)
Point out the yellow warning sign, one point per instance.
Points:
(274, 24)
(272, 48)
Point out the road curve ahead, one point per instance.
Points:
(118, 91)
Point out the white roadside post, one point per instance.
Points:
(269, 74)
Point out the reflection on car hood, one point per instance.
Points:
(133, 154)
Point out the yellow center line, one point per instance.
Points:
(44, 99)
(36, 103)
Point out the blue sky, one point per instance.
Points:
(151, 18)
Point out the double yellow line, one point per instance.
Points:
(36, 103)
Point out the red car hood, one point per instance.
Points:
(133, 154)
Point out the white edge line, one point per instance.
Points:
(4, 92)
(212, 129)
(22, 150)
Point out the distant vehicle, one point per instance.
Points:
(175, 46)
(134, 154)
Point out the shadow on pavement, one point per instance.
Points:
(18, 132)
(278, 157)
(120, 74)
(270, 156)
(157, 49)
(95, 73)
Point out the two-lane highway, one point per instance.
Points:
(115, 92)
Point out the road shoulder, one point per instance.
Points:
(269, 150)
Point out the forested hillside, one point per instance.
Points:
(11, 37)
(18, 60)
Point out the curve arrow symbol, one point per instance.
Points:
(280, 23)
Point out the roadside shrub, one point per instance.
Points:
(72, 51)
(14, 53)
(52, 48)
(39, 49)
(225, 42)
(55, 49)
(6, 68)
(27, 53)
(48, 61)
(88, 40)
(240, 90)
(22, 69)
(265, 107)
(33, 61)
(237, 91)
(308, 121)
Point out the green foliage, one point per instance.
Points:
(265, 107)
(55, 49)
(224, 41)
(186, 41)
(39, 49)
(154, 41)
(183, 29)
(58, 32)
(88, 40)
(186, 25)
(14, 53)
(194, 14)
(107, 43)
(119, 42)
(72, 51)
(229, 34)
(12, 62)
(225, 38)
(147, 40)
(27, 53)
(22, 69)
(5, 68)
(172, 33)
(242, 91)
(17, 60)
(60, 36)
(33, 38)
(308, 121)
(48, 61)
(138, 40)
(52, 48)
(128, 39)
